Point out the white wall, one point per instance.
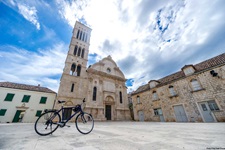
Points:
(33, 104)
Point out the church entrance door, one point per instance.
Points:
(108, 112)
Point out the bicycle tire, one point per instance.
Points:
(47, 123)
(84, 123)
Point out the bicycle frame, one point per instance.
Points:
(71, 116)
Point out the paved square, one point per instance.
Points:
(117, 136)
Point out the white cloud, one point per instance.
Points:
(153, 34)
(43, 67)
(30, 14)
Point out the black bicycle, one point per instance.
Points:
(50, 120)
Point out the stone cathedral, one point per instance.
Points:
(101, 84)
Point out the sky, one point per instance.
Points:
(148, 39)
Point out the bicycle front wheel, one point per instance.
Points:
(47, 123)
(84, 123)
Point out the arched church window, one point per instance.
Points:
(75, 50)
(94, 93)
(78, 70)
(121, 99)
(78, 34)
(82, 54)
(72, 70)
(79, 51)
(72, 87)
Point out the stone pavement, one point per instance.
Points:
(117, 136)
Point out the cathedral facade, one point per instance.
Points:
(101, 84)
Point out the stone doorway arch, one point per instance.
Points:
(109, 107)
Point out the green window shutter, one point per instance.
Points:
(2, 112)
(38, 113)
(43, 100)
(26, 98)
(9, 97)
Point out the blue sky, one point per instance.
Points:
(147, 39)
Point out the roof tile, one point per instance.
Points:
(25, 87)
(207, 64)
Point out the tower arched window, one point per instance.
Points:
(72, 70)
(121, 99)
(72, 87)
(94, 93)
(78, 70)
(85, 40)
(83, 36)
(75, 50)
(78, 32)
(80, 35)
(82, 54)
(79, 51)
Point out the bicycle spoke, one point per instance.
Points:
(84, 123)
(47, 123)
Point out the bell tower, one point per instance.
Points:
(74, 83)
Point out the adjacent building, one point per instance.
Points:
(23, 103)
(194, 94)
(101, 84)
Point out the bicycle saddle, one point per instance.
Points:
(61, 101)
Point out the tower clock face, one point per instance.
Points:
(108, 70)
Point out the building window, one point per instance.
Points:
(2, 112)
(155, 95)
(156, 112)
(94, 93)
(26, 98)
(213, 106)
(108, 70)
(83, 36)
(86, 37)
(72, 71)
(75, 50)
(43, 100)
(78, 70)
(138, 99)
(79, 51)
(189, 71)
(9, 97)
(121, 100)
(38, 113)
(78, 34)
(195, 85)
(172, 91)
(72, 87)
(82, 54)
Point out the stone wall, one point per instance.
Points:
(213, 88)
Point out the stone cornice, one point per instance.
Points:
(93, 71)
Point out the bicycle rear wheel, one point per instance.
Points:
(84, 123)
(47, 123)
